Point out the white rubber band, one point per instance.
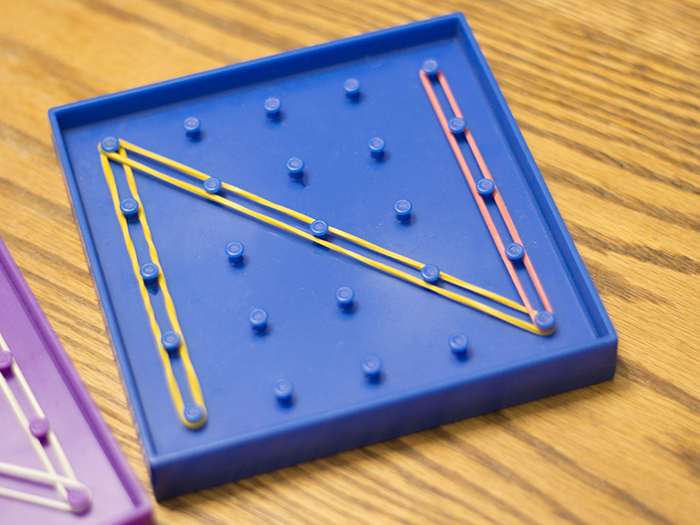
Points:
(38, 476)
(37, 500)
(50, 476)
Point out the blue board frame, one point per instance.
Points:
(335, 408)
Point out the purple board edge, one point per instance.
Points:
(143, 509)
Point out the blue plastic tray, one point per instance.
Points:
(310, 341)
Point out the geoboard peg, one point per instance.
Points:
(485, 187)
(79, 500)
(212, 185)
(283, 390)
(372, 367)
(430, 273)
(110, 144)
(149, 273)
(171, 341)
(235, 251)
(515, 252)
(273, 107)
(295, 167)
(457, 125)
(403, 209)
(431, 67)
(345, 297)
(258, 319)
(39, 427)
(352, 88)
(193, 412)
(459, 343)
(192, 127)
(130, 208)
(5, 361)
(545, 320)
(376, 147)
(319, 228)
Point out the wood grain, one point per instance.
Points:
(607, 97)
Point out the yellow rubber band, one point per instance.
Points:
(286, 227)
(195, 387)
(164, 356)
(340, 233)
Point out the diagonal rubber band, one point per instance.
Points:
(340, 233)
(275, 222)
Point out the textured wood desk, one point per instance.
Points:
(607, 97)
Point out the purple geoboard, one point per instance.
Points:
(59, 464)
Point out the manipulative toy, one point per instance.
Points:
(59, 464)
(323, 249)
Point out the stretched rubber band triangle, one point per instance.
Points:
(74, 496)
(129, 164)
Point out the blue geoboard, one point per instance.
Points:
(323, 249)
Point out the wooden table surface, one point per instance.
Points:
(607, 97)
